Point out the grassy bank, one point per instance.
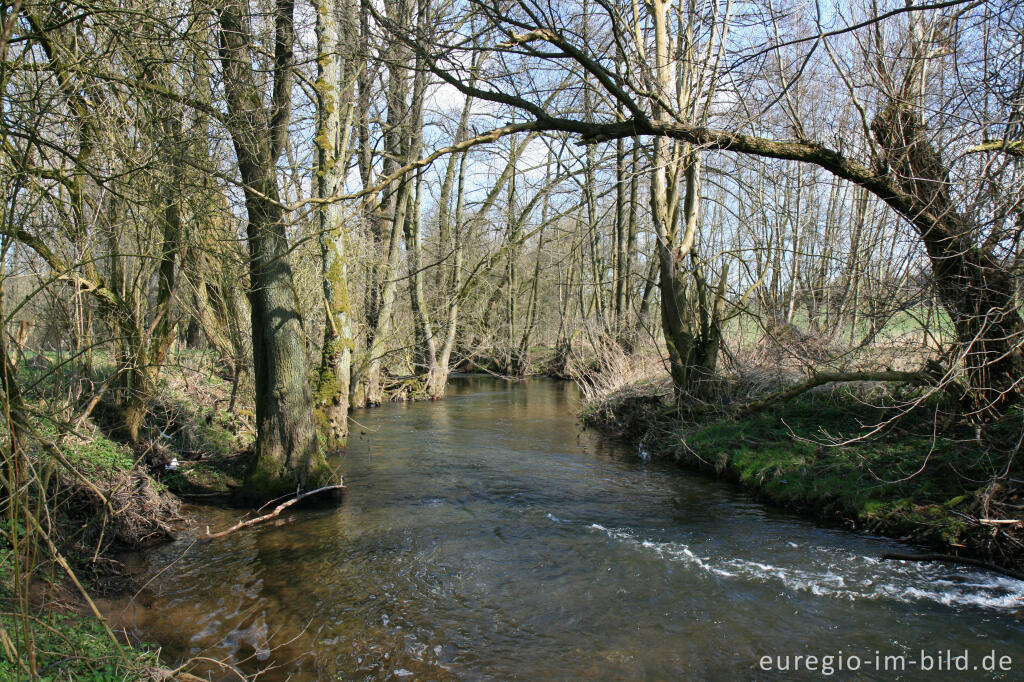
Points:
(86, 496)
(925, 477)
(68, 646)
(65, 533)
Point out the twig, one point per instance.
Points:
(179, 674)
(277, 510)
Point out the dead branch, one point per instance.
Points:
(949, 558)
(277, 510)
(828, 378)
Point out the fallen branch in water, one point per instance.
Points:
(949, 558)
(277, 510)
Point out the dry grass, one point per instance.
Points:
(750, 367)
(609, 368)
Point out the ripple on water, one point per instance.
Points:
(846, 575)
(487, 538)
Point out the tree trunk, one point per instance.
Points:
(332, 154)
(453, 237)
(151, 354)
(621, 278)
(976, 290)
(427, 361)
(288, 453)
(402, 142)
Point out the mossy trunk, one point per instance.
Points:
(332, 399)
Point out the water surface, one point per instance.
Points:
(488, 537)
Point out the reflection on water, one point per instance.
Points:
(486, 536)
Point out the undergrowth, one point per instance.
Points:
(73, 648)
(92, 495)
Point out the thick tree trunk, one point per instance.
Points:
(288, 454)
(287, 450)
(977, 291)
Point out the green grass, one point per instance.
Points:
(217, 434)
(902, 323)
(101, 455)
(902, 481)
(70, 647)
(218, 429)
(880, 480)
(184, 426)
(97, 456)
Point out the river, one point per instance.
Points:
(488, 536)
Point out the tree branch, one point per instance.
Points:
(949, 558)
(1011, 147)
(277, 510)
(828, 378)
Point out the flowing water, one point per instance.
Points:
(487, 536)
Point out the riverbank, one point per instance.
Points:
(115, 497)
(922, 477)
(459, 510)
(90, 497)
(48, 624)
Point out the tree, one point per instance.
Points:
(897, 163)
(288, 453)
(334, 114)
(402, 141)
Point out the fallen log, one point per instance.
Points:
(277, 510)
(822, 378)
(949, 558)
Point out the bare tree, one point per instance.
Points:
(893, 158)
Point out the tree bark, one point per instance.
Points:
(288, 454)
(332, 399)
(977, 291)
